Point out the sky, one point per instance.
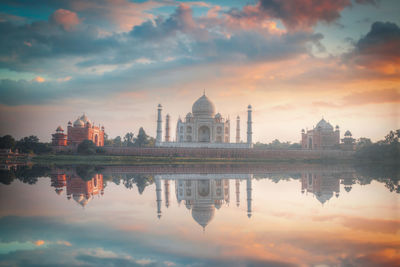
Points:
(294, 61)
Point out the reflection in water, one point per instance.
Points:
(202, 194)
(296, 216)
(82, 191)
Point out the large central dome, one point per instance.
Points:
(203, 107)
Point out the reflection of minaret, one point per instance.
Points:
(237, 192)
(159, 125)
(158, 194)
(166, 186)
(249, 128)
(167, 128)
(237, 129)
(248, 184)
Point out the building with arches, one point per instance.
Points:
(323, 136)
(82, 129)
(203, 127)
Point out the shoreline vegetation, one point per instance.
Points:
(29, 149)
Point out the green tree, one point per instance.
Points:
(129, 139)
(31, 144)
(117, 141)
(107, 141)
(7, 142)
(87, 147)
(142, 138)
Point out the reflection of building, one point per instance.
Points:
(80, 190)
(321, 137)
(323, 186)
(203, 128)
(347, 181)
(202, 194)
(81, 130)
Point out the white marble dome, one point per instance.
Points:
(324, 125)
(79, 123)
(85, 119)
(203, 214)
(203, 107)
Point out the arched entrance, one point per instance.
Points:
(310, 143)
(204, 134)
(96, 140)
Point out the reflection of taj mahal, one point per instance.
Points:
(203, 128)
(202, 194)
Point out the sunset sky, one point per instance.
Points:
(293, 61)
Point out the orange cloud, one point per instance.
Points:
(39, 79)
(39, 243)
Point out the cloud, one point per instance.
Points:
(165, 44)
(67, 19)
(39, 243)
(38, 79)
(378, 50)
(110, 14)
(381, 96)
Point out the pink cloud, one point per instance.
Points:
(65, 18)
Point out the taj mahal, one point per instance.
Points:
(203, 127)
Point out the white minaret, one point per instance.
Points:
(158, 195)
(237, 129)
(248, 185)
(159, 125)
(166, 191)
(167, 128)
(237, 183)
(249, 122)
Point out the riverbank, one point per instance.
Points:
(143, 160)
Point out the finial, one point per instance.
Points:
(204, 91)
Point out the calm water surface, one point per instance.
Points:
(217, 215)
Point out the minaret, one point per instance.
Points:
(248, 184)
(158, 194)
(167, 128)
(249, 122)
(237, 192)
(159, 125)
(166, 189)
(237, 129)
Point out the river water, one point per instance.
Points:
(199, 215)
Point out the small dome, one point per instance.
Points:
(79, 123)
(85, 119)
(249, 106)
(203, 107)
(218, 116)
(59, 129)
(189, 115)
(69, 123)
(347, 133)
(324, 125)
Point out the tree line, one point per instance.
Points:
(32, 145)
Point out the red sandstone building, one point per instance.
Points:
(81, 130)
(323, 136)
